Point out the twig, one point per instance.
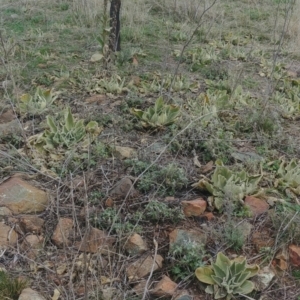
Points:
(152, 269)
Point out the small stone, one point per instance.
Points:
(123, 188)
(7, 116)
(32, 244)
(262, 239)
(62, 232)
(164, 288)
(135, 245)
(21, 197)
(140, 287)
(143, 266)
(263, 278)
(256, 206)
(9, 129)
(8, 237)
(194, 207)
(109, 202)
(183, 295)
(4, 212)
(208, 216)
(29, 294)
(181, 237)
(124, 152)
(294, 252)
(32, 224)
(96, 241)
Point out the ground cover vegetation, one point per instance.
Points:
(202, 101)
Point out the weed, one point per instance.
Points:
(186, 258)
(10, 288)
(165, 180)
(156, 211)
(109, 219)
(296, 274)
(233, 236)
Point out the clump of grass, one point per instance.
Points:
(110, 219)
(186, 258)
(10, 288)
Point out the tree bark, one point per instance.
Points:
(114, 38)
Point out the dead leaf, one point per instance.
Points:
(196, 162)
(96, 57)
(135, 61)
(56, 294)
(61, 269)
(208, 167)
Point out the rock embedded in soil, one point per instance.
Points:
(21, 197)
(30, 294)
(32, 224)
(263, 278)
(4, 212)
(96, 241)
(124, 152)
(183, 295)
(62, 232)
(256, 206)
(124, 188)
(194, 207)
(8, 237)
(143, 266)
(12, 128)
(262, 239)
(32, 244)
(135, 245)
(140, 287)
(164, 288)
(294, 252)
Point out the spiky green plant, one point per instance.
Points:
(289, 176)
(157, 116)
(39, 103)
(226, 184)
(227, 278)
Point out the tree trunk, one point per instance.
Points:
(114, 38)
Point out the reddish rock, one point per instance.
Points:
(62, 232)
(8, 237)
(256, 206)
(135, 245)
(294, 252)
(208, 216)
(32, 224)
(164, 288)
(109, 202)
(194, 207)
(143, 266)
(96, 241)
(32, 244)
(21, 197)
(262, 239)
